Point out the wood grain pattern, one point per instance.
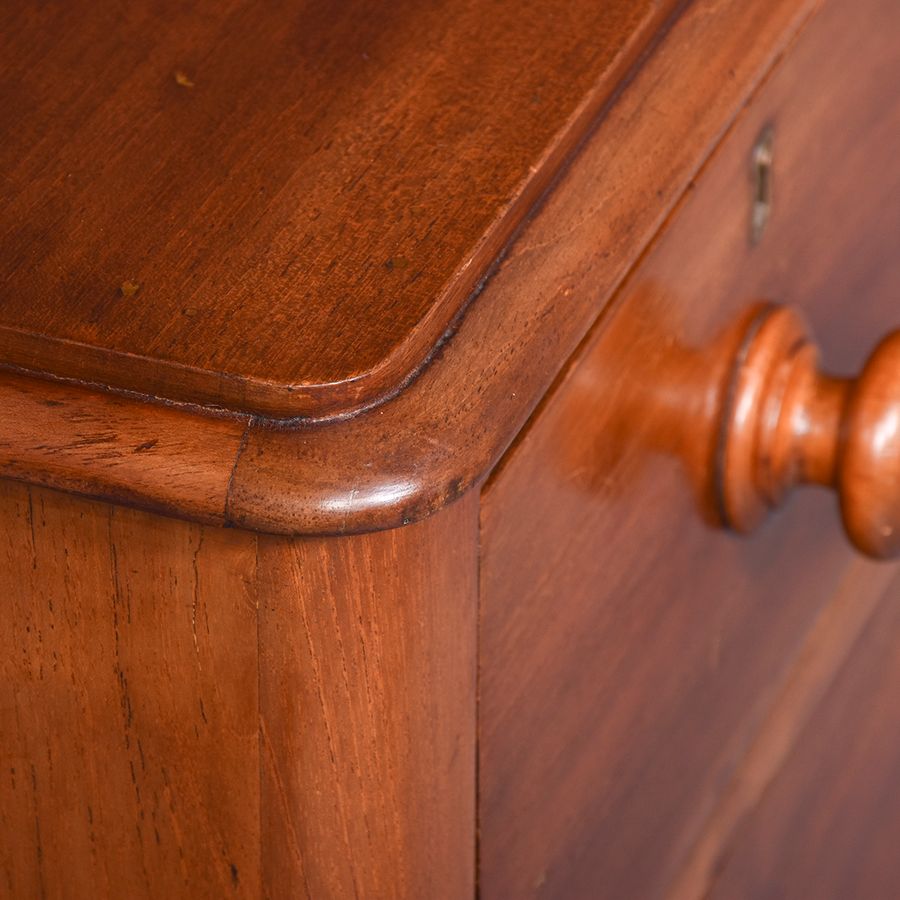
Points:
(367, 704)
(443, 433)
(753, 415)
(828, 825)
(626, 668)
(629, 653)
(128, 703)
(190, 711)
(829, 646)
(104, 446)
(447, 428)
(277, 208)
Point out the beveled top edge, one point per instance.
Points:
(409, 456)
(278, 211)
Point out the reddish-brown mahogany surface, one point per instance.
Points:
(129, 705)
(633, 660)
(196, 712)
(277, 207)
(752, 416)
(108, 446)
(829, 825)
(446, 429)
(785, 423)
(367, 711)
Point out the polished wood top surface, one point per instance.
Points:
(447, 428)
(278, 208)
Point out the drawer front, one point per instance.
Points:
(633, 656)
(837, 789)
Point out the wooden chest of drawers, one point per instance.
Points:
(381, 389)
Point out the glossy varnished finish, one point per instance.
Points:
(446, 429)
(195, 712)
(444, 432)
(786, 423)
(106, 446)
(630, 652)
(366, 644)
(752, 416)
(293, 709)
(277, 208)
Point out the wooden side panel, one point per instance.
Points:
(367, 704)
(829, 824)
(128, 703)
(629, 653)
(132, 708)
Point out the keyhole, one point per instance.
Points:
(762, 185)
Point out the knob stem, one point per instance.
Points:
(819, 430)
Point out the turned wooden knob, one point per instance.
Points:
(785, 422)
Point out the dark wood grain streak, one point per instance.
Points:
(630, 652)
(105, 446)
(367, 706)
(277, 208)
(128, 703)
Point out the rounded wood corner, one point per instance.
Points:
(349, 477)
(411, 454)
(366, 473)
